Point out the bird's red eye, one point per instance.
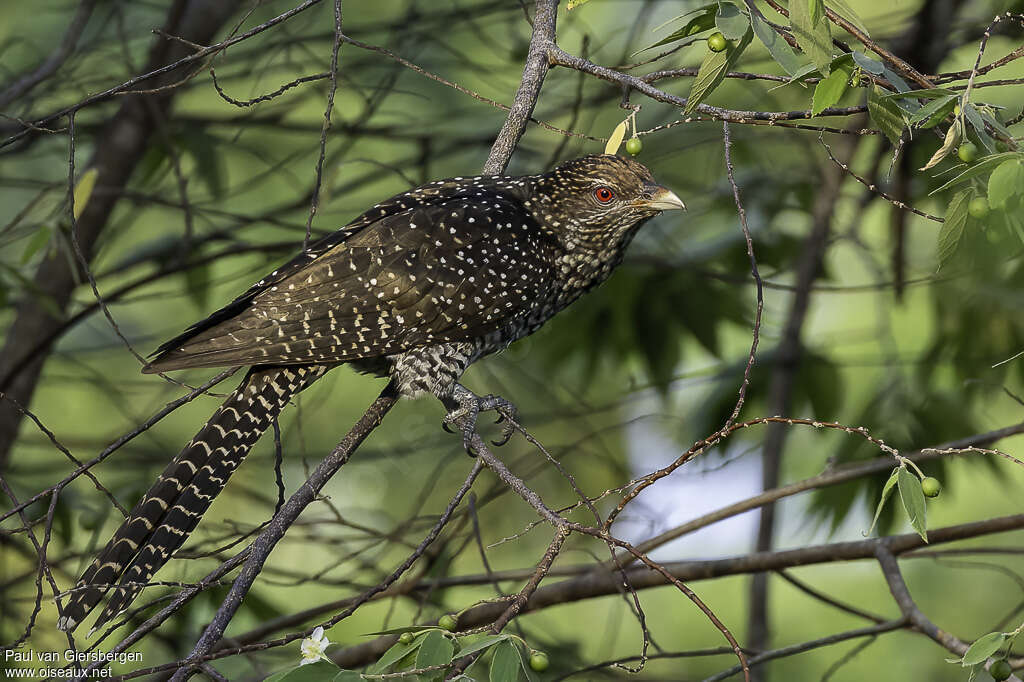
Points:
(603, 194)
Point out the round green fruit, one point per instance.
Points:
(931, 487)
(978, 208)
(968, 152)
(406, 638)
(634, 146)
(1000, 670)
(539, 661)
(447, 622)
(717, 42)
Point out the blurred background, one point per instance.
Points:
(618, 385)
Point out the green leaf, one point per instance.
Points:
(730, 21)
(983, 647)
(321, 671)
(703, 21)
(913, 501)
(982, 167)
(846, 12)
(506, 663)
(210, 164)
(828, 90)
(777, 47)
(953, 228)
(886, 491)
(348, 676)
(815, 10)
(395, 654)
(931, 114)
(1006, 181)
(482, 644)
(40, 239)
(712, 71)
(813, 35)
(886, 115)
(83, 190)
(435, 650)
(974, 118)
(932, 93)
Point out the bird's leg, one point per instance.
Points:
(464, 407)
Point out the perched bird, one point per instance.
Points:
(415, 289)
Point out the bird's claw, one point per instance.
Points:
(470, 406)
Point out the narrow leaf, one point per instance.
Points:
(935, 111)
(953, 138)
(951, 231)
(348, 676)
(980, 168)
(886, 115)
(813, 35)
(828, 91)
(983, 647)
(40, 239)
(505, 665)
(703, 21)
(933, 93)
(712, 71)
(846, 12)
(777, 47)
(870, 65)
(974, 118)
(730, 21)
(616, 139)
(395, 654)
(83, 190)
(482, 644)
(815, 10)
(886, 491)
(913, 501)
(1006, 181)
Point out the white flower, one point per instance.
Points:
(313, 647)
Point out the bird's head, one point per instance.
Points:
(600, 200)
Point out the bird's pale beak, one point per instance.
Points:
(659, 198)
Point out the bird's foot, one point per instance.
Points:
(467, 406)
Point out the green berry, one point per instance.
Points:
(447, 622)
(931, 487)
(968, 152)
(539, 661)
(717, 42)
(978, 208)
(634, 146)
(1000, 670)
(406, 638)
(956, 109)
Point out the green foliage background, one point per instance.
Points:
(664, 340)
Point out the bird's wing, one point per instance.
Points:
(456, 269)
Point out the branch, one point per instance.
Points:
(534, 71)
(57, 57)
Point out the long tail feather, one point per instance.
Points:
(167, 514)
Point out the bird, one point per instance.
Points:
(415, 289)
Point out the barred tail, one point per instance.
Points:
(167, 514)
